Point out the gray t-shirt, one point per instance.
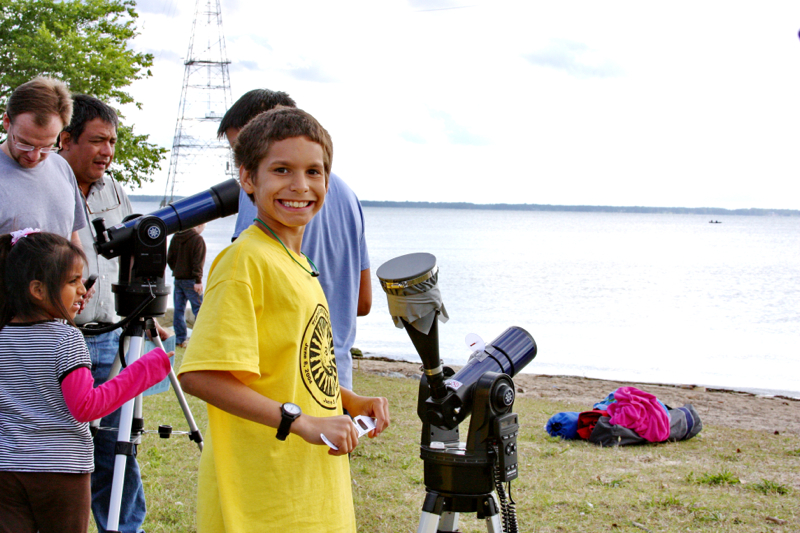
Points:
(45, 197)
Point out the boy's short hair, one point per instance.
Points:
(42, 97)
(276, 125)
(250, 105)
(85, 109)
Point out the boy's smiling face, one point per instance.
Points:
(289, 186)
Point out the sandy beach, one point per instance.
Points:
(716, 406)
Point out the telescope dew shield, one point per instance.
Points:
(415, 302)
(410, 284)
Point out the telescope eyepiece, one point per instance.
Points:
(99, 224)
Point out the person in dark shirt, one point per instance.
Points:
(186, 257)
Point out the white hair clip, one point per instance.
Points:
(17, 235)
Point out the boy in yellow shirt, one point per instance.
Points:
(262, 356)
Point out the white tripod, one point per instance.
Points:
(128, 440)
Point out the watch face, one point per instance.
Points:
(291, 409)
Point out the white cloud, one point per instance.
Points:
(629, 103)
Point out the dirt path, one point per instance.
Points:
(716, 407)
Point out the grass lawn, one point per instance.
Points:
(722, 480)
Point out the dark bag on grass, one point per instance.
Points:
(684, 423)
(606, 434)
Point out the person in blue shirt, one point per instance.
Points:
(334, 239)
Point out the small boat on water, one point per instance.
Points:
(714, 222)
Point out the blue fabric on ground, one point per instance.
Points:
(664, 407)
(603, 404)
(564, 425)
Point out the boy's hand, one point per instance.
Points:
(374, 407)
(337, 429)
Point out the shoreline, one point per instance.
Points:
(755, 392)
(716, 406)
(765, 393)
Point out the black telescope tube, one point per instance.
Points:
(219, 201)
(509, 353)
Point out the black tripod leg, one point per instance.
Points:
(431, 513)
(489, 510)
(434, 518)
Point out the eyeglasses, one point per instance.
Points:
(28, 148)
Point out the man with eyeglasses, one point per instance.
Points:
(38, 191)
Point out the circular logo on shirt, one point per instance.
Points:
(317, 360)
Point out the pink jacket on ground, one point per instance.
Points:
(641, 412)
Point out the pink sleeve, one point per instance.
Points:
(87, 403)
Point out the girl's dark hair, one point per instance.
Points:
(45, 257)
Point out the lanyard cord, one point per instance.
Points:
(314, 273)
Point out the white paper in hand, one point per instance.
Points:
(363, 424)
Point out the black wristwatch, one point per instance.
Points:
(289, 413)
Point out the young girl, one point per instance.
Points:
(46, 394)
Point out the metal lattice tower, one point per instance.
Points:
(205, 97)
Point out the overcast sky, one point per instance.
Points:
(511, 101)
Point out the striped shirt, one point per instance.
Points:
(37, 431)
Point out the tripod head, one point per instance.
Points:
(483, 388)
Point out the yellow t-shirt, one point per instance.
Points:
(266, 320)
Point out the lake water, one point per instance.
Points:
(632, 297)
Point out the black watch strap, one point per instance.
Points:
(283, 428)
(287, 417)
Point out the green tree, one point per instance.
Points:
(84, 43)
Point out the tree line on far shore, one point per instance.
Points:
(546, 207)
(588, 208)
